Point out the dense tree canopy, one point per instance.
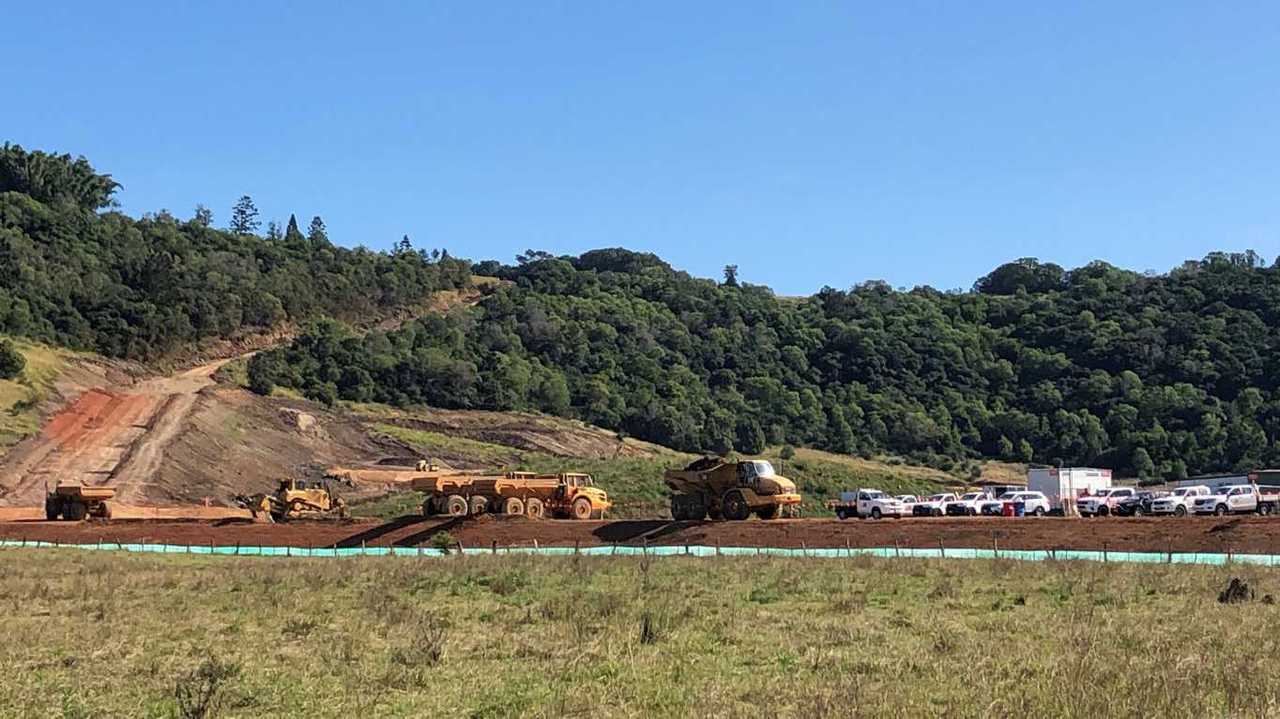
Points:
(1152, 375)
(137, 288)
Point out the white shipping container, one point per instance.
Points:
(1067, 482)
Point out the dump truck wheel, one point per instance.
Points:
(767, 512)
(478, 505)
(735, 507)
(513, 506)
(534, 508)
(581, 508)
(428, 508)
(677, 510)
(52, 509)
(75, 511)
(456, 506)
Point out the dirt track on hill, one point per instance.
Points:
(1210, 534)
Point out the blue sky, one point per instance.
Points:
(809, 143)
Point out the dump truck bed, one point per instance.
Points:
(86, 493)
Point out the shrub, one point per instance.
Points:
(11, 360)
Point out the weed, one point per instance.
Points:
(444, 541)
(196, 693)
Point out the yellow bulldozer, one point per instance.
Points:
(725, 489)
(296, 499)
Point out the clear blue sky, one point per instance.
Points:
(809, 143)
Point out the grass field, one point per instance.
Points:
(92, 634)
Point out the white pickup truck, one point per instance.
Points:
(968, 504)
(1238, 499)
(868, 503)
(1180, 501)
(933, 505)
(1100, 503)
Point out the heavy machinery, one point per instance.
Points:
(570, 495)
(74, 502)
(723, 489)
(295, 499)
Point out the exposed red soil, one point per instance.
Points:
(1236, 534)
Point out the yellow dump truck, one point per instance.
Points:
(74, 502)
(569, 495)
(722, 489)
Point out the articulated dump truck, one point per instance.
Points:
(721, 489)
(569, 495)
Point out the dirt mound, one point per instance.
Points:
(531, 432)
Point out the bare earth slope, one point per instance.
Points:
(178, 438)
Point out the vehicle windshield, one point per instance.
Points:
(939, 497)
(762, 468)
(972, 495)
(873, 494)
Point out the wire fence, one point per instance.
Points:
(693, 550)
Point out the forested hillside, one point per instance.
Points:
(76, 273)
(1152, 375)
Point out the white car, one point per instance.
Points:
(1101, 502)
(1179, 503)
(933, 505)
(1034, 503)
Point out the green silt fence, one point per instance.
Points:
(1028, 555)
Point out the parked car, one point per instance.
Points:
(907, 499)
(1135, 506)
(1237, 499)
(966, 505)
(1101, 502)
(868, 503)
(1032, 502)
(933, 505)
(1179, 502)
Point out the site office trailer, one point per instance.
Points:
(1067, 483)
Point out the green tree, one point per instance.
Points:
(1142, 464)
(317, 235)
(244, 217)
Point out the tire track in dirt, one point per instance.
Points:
(106, 436)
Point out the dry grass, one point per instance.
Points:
(90, 634)
(20, 398)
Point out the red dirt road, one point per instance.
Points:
(1211, 534)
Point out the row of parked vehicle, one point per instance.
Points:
(1018, 502)
(876, 504)
(1196, 499)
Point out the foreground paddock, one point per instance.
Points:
(107, 634)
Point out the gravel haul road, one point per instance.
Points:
(1211, 534)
